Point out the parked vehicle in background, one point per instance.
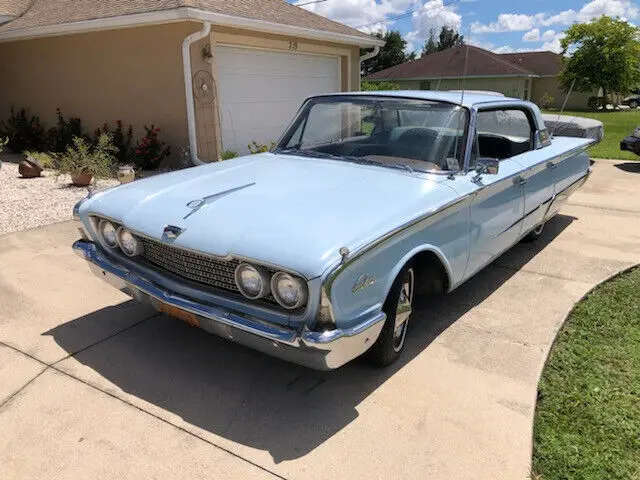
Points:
(632, 142)
(632, 101)
(315, 252)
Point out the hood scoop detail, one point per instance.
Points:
(196, 205)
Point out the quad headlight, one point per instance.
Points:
(129, 244)
(253, 282)
(108, 233)
(288, 290)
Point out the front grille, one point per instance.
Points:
(190, 265)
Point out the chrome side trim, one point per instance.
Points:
(331, 277)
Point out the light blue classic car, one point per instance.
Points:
(314, 252)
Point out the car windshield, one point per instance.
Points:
(390, 132)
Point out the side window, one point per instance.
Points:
(503, 133)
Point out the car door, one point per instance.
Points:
(498, 206)
(538, 169)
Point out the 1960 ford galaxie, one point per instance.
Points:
(314, 252)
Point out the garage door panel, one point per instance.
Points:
(260, 91)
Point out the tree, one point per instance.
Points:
(448, 38)
(391, 54)
(606, 56)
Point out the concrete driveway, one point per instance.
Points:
(95, 386)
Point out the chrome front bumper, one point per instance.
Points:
(317, 350)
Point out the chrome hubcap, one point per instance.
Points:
(538, 229)
(403, 310)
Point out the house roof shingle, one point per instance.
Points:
(450, 63)
(540, 63)
(44, 13)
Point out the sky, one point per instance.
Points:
(501, 26)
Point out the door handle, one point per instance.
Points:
(520, 180)
(552, 166)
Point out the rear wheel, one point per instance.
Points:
(398, 308)
(535, 234)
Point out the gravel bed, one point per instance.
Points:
(33, 202)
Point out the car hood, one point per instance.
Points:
(296, 212)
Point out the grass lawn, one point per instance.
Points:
(617, 125)
(587, 421)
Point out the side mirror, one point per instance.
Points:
(488, 166)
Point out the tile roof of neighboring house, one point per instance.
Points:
(13, 8)
(44, 13)
(450, 63)
(540, 63)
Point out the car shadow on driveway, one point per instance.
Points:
(252, 399)
(632, 167)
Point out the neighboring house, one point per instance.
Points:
(214, 74)
(527, 75)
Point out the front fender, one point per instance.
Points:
(362, 282)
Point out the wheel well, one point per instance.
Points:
(431, 274)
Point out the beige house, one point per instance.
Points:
(526, 75)
(214, 74)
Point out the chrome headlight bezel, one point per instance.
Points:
(103, 238)
(137, 249)
(261, 273)
(302, 290)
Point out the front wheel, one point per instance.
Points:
(633, 104)
(398, 308)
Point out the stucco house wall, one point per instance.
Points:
(134, 75)
(512, 87)
(551, 86)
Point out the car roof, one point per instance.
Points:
(470, 98)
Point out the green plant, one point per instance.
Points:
(546, 101)
(45, 160)
(23, 132)
(62, 135)
(228, 154)
(150, 151)
(260, 148)
(366, 86)
(3, 143)
(121, 140)
(82, 157)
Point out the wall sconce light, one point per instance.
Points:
(207, 56)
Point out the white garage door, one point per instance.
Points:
(260, 91)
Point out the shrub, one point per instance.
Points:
(24, 133)
(150, 151)
(546, 101)
(228, 154)
(61, 136)
(260, 148)
(82, 157)
(3, 143)
(121, 140)
(377, 86)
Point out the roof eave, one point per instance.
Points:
(185, 14)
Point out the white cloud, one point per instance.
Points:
(506, 22)
(510, 22)
(432, 15)
(356, 13)
(531, 36)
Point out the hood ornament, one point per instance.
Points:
(172, 232)
(197, 204)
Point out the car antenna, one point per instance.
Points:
(564, 104)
